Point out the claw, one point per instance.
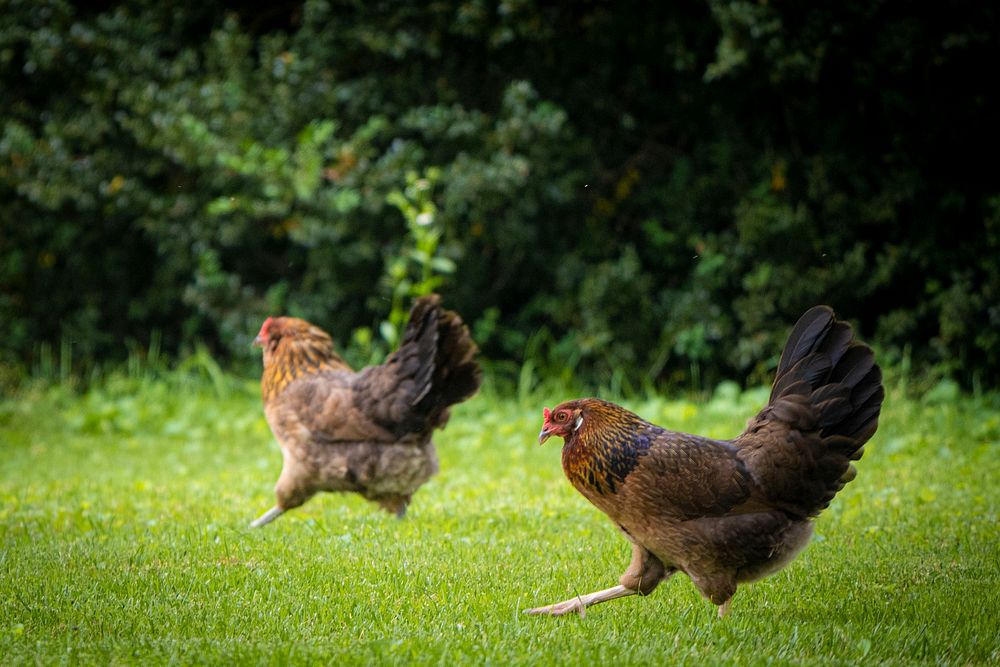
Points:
(561, 608)
(580, 603)
(724, 608)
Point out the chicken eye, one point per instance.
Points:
(560, 416)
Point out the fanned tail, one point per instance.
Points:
(434, 368)
(457, 374)
(824, 406)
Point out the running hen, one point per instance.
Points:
(726, 512)
(368, 431)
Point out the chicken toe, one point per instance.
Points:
(580, 603)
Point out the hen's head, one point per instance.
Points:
(292, 348)
(289, 340)
(564, 420)
(278, 329)
(586, 417)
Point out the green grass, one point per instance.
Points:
(123, 519)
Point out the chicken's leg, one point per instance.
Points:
(644, 573)
(724, 608)
(294, 487)
(267, 517)
(581, 602)
(395, 504)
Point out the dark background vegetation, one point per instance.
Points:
(639, 192)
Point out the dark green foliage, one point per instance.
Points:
(639, 192)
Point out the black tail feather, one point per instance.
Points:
(854, 365)
(836, 342)
(434, 368)
(845, 384)
(807, 334)
(453, 370)
(825, 403)
(417, 349)
(457, 374)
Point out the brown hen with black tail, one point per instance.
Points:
(726, 512)
(369, 431)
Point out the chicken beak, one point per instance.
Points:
(264, 334)
(544, 435)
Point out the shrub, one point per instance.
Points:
(640, 192)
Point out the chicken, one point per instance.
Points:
(726, 512)
(367, 431)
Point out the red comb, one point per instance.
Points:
(546, 413)
(264, 327)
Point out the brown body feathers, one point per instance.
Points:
(368, 431)
(726, 512)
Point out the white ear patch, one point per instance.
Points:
(579, 421)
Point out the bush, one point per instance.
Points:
(648, 194)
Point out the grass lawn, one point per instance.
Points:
(124, 512)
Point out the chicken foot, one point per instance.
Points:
(580, 603)
(644, 573)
